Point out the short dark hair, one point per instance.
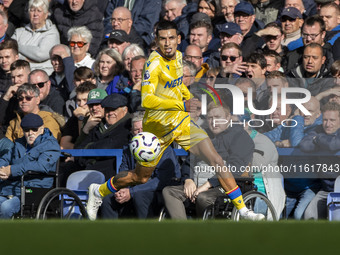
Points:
(86, 86)
(257, 58)
(166, 25)
(83, 73)
(273, 54)
(310, 21)
(202, 23)
(10, 44)
(20, 64)
(314, 45)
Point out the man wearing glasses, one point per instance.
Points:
(291, 22)
(48, 96)
(313, 31)
(29, 100)
(121, 20)
(231, 61)
(37, 150)
(244, 14)
(80, 13)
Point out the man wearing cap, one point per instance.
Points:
(37, 150)
(118, 40)
(291, 22)
(112, 132)
(228, 32)
(245, 17)
(94, 99)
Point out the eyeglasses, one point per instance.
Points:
(26, 130)
(79, 44)
(312, 36)
(119, 20)
(225, 58)
(286, 18)
(39, 84)
(188, 57)
(27, 98)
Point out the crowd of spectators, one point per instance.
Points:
(78, 65)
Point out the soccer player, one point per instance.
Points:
(167, 116)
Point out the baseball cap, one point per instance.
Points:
(119, 35)
(31, 120)
(96, 96)
(229, 28)
(291, 12)
(114, 101)
(244, 7)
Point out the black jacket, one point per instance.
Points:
(5, 81)
(115, 137)
(89, 16)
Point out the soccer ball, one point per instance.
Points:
(145, 147)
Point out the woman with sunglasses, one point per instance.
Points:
(37, 38)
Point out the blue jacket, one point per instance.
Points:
(294, 134)
(42, 157)
(167, 169)
(318, 141)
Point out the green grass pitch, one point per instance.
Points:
(169, 237)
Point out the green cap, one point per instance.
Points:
(96, 96)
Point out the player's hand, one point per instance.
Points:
(123, 195)
(192, 105)
(189, 188)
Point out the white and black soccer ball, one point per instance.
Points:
(145, 147)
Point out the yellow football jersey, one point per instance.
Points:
(163, 92)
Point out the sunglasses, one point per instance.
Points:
(27, 98)
(26, 130)
(40, 84)
(79, 44)
(225, 58)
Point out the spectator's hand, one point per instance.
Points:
(11, 92)
(81, 111)
(61, 52)
(200, 189)
(69, 159)
(283, 144)
(137, 86)
(91, 123)
(123, 195)
(5, 172)
(189, 188)
(236, 68)
(192, 105)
